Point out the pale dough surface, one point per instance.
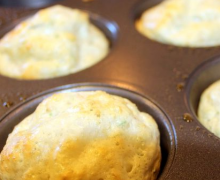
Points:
(188, 23)
(54, 42)
(83, 136)
(209, 108)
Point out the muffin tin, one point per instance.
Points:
(165, 81)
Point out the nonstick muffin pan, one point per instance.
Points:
(165, 81)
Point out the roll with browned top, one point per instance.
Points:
(83, 136)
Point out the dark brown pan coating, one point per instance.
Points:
(170, 77)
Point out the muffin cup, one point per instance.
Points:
(167, 138)
(107, 27)
(201, 78)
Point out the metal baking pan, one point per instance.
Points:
(164, 80)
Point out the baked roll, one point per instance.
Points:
(209, 108)
(56, 41)
(187, 23)
(83, 136)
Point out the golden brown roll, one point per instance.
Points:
(209, 108)
(189, 23)
(56, 41)
(83, 136)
